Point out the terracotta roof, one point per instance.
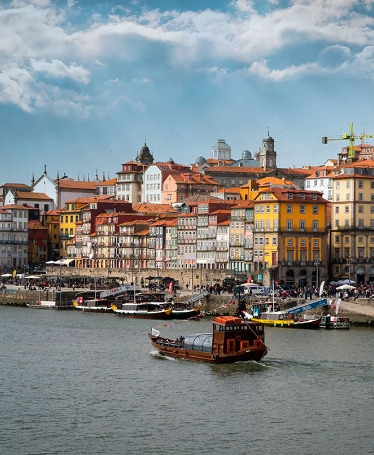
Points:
(17, 185)
(33, 196)
(154, 208)
(18, 206)
(77, 184)
(110, 182)
(88, 199)
(34, 224)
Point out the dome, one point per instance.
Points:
(246, 155)
(200, 160)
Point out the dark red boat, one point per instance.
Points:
(232, 340)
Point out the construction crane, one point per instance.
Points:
(351, 137)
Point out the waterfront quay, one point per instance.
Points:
(360, 310)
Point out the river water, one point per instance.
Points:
(78, 383)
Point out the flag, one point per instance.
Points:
(249, 278)
(155, 333)
(170, 287)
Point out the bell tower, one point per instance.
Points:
(267, 155)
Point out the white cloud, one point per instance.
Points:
(38, 41)
(57, 69)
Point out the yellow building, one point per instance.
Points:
(69, 216)
(290, 235)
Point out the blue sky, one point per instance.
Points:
(84, 83)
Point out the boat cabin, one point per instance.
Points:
(141, 297)
(263, 308)
(230, 334)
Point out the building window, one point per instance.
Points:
(360, 209)
(289, 225)
(360, 196)
(302, 208)
(337, 209)
(315, 209)
(315, 225)
(347, 209)
(289, 208)
(360, 184)
(302, 225)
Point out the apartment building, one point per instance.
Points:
(352, 230)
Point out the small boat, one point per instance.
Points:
(93, 305)
(233, 340)
(182, 310)
(148, 310)
(287, 320)
(42, 305)
(335, 322)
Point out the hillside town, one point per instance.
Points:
(242, 216)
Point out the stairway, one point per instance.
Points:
(197, 297)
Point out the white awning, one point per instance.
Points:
(64, 261)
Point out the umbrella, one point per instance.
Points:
(345, 286)
(6, 275)
(32, 277)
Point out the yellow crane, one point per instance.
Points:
(351, 137)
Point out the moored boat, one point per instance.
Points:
(287, 320)
(42, 305)
(148, 310)
(232, 340)
(183, 310)
(335, 322)
(94, 305)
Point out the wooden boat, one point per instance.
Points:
(148, 310)
(183, 310)
(335, 322)
(233, 340)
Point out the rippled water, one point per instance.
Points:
(78, 383)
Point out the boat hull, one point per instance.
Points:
(143, 315)
(185, 314)
(93, 308)
(312, 324)
(167, 348)
(339, 323)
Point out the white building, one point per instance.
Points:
(13, 237)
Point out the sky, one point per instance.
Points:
(85, 83)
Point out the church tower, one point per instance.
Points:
(267, 155)
(145, 155)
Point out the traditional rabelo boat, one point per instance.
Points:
(233, 340)
(148, 310)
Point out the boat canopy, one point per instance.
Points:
(199, 342)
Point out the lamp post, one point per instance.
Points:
(349, 269)
(316, 263)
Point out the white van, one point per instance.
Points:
(253, 289)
